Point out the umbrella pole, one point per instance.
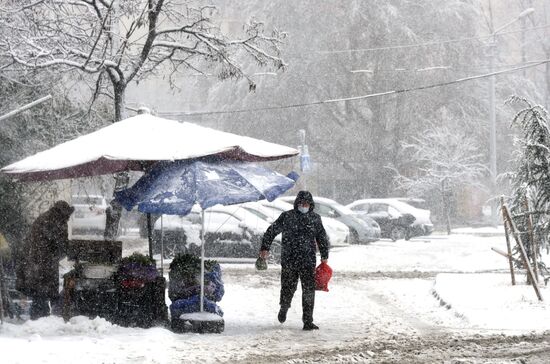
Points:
(150, 234)
(161, 246)
(202, 260)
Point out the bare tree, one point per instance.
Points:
(120, 41)
(447, 159)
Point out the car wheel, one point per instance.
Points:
(397, 233)
(354, 236)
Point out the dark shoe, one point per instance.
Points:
(282, 315)
(310, 326)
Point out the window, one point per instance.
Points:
(393, 211)
(361, 207)
(378, 207)
(87, 200)
(257, 213)
(221, 221)
(325, 210)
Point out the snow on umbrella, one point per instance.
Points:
(174, 187)
(136, 144)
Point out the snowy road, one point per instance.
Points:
(380, 308)
(393, 325)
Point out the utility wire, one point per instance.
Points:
(405, 46)
(354, 98)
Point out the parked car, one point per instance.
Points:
(230, 232)
(89, 214)
(337, 232)
(362, 229)
(396, 218)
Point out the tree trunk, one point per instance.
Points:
(446, 206)
(120, 102)
(114, 212)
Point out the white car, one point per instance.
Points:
(337, 232)
(89, 214)
(422, 225)
(230, 232)
(362, 229)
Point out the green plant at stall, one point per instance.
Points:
(138, 258)
(189, 265)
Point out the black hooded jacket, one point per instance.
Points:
(301, 234)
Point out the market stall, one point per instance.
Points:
(139, 143)
(127, 291)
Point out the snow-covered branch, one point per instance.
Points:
(125, 39)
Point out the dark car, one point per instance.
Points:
(391, 226)
(397, 219)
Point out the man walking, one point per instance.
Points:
(302, 231)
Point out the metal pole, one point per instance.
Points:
(150, 234)
(492, 115)
(202, 260)
(493, 134)
(302, 135)
(161, 246)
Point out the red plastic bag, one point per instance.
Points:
(323, 274)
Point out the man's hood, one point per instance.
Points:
(304, 196)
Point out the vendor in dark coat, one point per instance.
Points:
(38, 269)
(303, 232)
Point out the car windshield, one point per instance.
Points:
(344, 210)
(402, 206)
(87, 200)
(257, 213)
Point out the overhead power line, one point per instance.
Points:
(353, 98)
(425, 44)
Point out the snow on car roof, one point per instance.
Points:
(336, 205)
(402, 206)
(326, 201)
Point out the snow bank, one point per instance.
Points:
(490, 301)
(462, 253)
(53, 326)
(482, 231)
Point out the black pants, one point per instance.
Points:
(289, 283)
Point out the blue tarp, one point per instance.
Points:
(192, 304)
(180, 287)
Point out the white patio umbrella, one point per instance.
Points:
(135, 144)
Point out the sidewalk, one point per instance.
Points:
(480, 231)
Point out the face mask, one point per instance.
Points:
(303, 209)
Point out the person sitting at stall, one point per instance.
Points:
(37, 268)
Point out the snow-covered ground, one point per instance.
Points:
(427, 286)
